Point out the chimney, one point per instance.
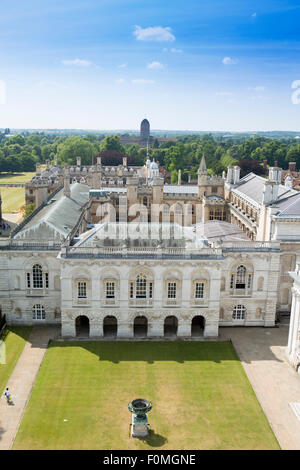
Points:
(125, 161)
(67, 191)
(55, 161)
(292, 166)
(179, 176)
(48, 164)
(99, 160)
(265, 164)
(275, 174)
(236, 174)
(189, 177)
(38, 169)
(78, 161)
(230, 171)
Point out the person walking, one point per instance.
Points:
(8, 396)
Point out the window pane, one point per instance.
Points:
(171, 290)
(141, 287)
(81, 290)
(110, 290)
(37, 276)
(199, 290)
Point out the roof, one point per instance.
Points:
(58, 217)
(179, 188)
(289, 207)
(219, 230)
(252, 186)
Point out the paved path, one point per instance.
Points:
(275, 382)
(21, 382)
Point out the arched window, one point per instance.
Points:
(239, 312)
(240, 277)
(38, 312)
(142, 288)
(37, 278)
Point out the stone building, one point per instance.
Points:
(293, 347)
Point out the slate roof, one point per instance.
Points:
(59, 215)
(252, 187)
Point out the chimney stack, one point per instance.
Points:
(292, 166)
(48, 164)
(55, 161)
(67, 190)
(78, 161)
(38, 169)
(179, 176)
(125, 161)
(99, 160)
(265, 164)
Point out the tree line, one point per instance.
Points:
(20, 153)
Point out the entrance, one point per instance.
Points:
(170, 326)
(82, 325)
(110, 326)
(198, 324)
(140, 326)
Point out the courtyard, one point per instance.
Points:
(201, 396)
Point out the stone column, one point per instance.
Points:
(125, 329)
(211, 328)
(184, 328)
(156, 328)
(292, 321)
(96, 327)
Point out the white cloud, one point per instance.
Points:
(155, 66)
(176, 51)
(257, 88)
(77, 62)
(154, 33)
(142, 81)
(122, 66)
(2, 92)
(119, 81)
(229, 61)
(254, 15)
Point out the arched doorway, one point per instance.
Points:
(140, 326)
(170, 326)
(82, 326)
(198, 325)
(110, 326)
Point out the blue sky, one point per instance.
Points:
(192, 65)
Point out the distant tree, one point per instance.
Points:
(76, 146)
(26, 210)
(247, 166)
(113, 143)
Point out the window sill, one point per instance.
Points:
(36, 292)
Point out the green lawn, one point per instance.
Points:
(201, 398)
(15, 340)
(12, 199)
(16, 178)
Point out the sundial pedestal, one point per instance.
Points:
(139, 422)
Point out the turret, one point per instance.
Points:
(179, 176)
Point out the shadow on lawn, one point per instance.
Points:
(155, 440)
(117, 351)
(252, 344)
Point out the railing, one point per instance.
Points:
(84, 252)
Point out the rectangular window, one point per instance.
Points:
(150, 290)
(46, 280)
(249, 281)
(81, 290)
(28, 280)
(110, 290)
(171, 290)
(199, 290)
(232, 281)
(131, 290)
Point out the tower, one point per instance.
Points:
(145, 131)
